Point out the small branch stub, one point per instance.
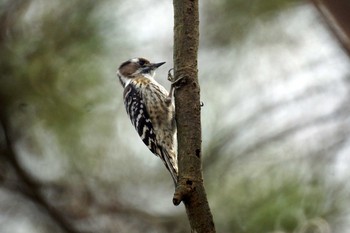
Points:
(182, 191)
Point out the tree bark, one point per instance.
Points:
(190, 189)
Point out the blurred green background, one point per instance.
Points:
(274, 83)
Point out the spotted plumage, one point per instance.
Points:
(150, 111)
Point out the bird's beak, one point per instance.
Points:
(151, 67)
(156, 65)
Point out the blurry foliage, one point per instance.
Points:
(50, 62)
(274, 202)
(248, 174)
(229, 21)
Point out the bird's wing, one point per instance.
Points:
(139, 116)
(137, 111)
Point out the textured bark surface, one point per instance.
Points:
(190, 189)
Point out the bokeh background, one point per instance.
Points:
(275, 87)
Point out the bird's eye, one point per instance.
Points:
(142, 62)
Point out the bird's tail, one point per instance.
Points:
(170, 161)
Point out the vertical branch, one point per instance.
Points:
(190, 187)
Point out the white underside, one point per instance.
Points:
(127, 81)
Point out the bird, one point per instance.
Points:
(151, 110)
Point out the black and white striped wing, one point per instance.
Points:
(139, 116)
(137, 111)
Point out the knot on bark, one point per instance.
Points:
(184, 189)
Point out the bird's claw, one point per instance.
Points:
(170, 75)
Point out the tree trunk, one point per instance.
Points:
(190, 187)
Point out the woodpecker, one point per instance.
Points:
(151, 110)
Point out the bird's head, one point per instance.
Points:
(136, 66)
